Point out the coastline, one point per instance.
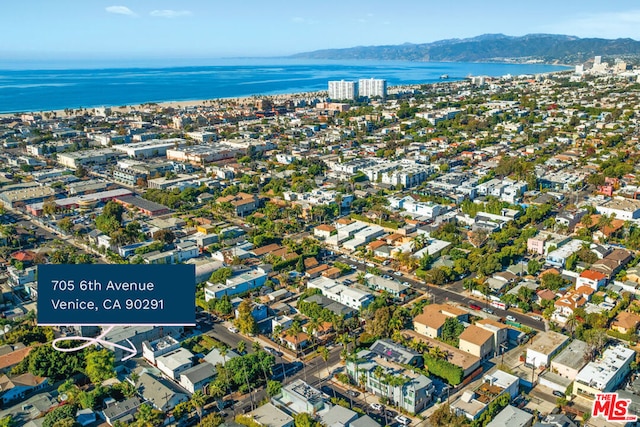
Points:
(204, 102)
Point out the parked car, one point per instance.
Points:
(558, 393)
(233, 329)
(487, 310)
(403, 420)
(538, 318)
(475, 307)
(353, 393)
(272, 351)
(510, 318)
(375, 406)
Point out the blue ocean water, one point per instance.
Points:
(58, 88)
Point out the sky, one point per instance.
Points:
(105, 29)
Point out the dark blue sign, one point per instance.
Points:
(100, 294)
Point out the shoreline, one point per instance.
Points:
(123, 108)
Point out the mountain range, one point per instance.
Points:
(549, 48)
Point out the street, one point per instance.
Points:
(441, 294)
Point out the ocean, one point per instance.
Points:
(55, 88)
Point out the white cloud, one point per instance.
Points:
(606, 25)
(120, 10)
(168, 13)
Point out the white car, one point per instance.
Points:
(233, 329)
(375, 406)
(510, 318)
(403, 420)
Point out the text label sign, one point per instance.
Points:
(97, 294)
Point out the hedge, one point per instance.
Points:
(441, 368)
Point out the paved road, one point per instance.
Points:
(441, 295)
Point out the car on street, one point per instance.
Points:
(233, 329)
(272, 351)
(475, 306)
(510, 318)
(558, 393)
(375, 406)
(403, 420)
(487, 310)
(353, 393)
(538, 318)
(397, 273)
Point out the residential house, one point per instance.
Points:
(268, 415)
(408, 390)
(396, 353)
(298, 397)
(591, 278)
(433, 316)
(604, 374)
(160, 394)
(121, 411)
(18, 386)
(175, 362)
(472, 403)
(338, 416)
(499, 331)
(512, 417)
(242, 282)
(625, 322)
(196, 377)
(477, 341)
(613, 263)
(570, 361)
(152, 350)
(242, 204)
(543, 347)
(12, 355)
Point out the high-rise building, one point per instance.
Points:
(372, 87)
(342, 90)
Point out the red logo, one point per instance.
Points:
(612, 408)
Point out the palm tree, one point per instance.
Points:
(571, 324)
(256, 347)
(198, 399)
(324, 353)
(277, 334)
(246, 378)
(294, 332)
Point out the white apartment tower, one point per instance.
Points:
(372, 87)
(342, 90)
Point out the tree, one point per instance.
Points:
(305, 420)
(198, 399)
(165, 236)
(451, 330)
(444, 417)
(273, 388)
(8, 422)
(533, 266)
(245, 321)
(60, 413)
(100, 365)
(241, 347)
(211, 420)
(148, 417)
(221, 275)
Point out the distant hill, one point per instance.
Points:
(548, 48)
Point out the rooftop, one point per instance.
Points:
(547, 342)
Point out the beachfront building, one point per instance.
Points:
(372, 88)
(342, 90)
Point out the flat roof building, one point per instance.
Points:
(606, 373)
